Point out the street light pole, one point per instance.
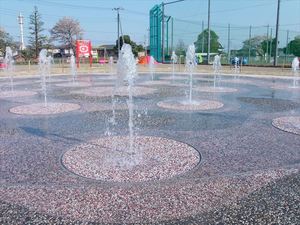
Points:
(118, 29)
(276, 35)
(208, 28)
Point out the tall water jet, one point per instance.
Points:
(190, 63)
(73, 67)
(43, 69)
(174, 60)
(216, 68)
(111, 65)
(126, 70)
(295, 68)
(49, 66)
(9, 62)
(151, 67)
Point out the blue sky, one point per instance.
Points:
(99, 20)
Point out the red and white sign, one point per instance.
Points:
(83, 49)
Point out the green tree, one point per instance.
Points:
(135, 47)
(180, 48)
(294, 47)
(215, 45)
(5, 40)
(268, 43)
(255, 45)
(27, 54)
(36, 38)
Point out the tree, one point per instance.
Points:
(214, 41)
(180, 48)
(36, 39)
(5, 40)
(135, 47)
(66, 31)
(268, 43)
(27, 54)
(255, 45)
(294, 46)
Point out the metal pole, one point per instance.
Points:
(228, 53)
(276, 36)
(208, 38)
(20, 19)
(286, 50)
(202, 50)
(163, 33)
(167, 36)
(118, 18)
(267, 50)
(271, 43)
(249, 47)
(172, 36)
(118, 24)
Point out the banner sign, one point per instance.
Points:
(83, 49)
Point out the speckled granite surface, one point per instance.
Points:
(248, 173)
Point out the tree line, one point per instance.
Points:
(258, 45)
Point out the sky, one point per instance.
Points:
(99, 22)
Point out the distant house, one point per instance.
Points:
(105, 51)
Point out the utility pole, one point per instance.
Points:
(20, 19)
(267, 50)
(163, 27)
(118, 24)
(276, 35)
(249, 47)
(228, 52)
(208, 28)
(202, 49)
(287, 42)
(172, 37)
(271, 43)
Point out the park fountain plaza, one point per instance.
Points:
(166, 157)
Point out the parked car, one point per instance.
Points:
(2, 64)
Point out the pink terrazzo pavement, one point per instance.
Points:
(155, 82)
(289, 123)
(109, 159)
(139, 204)
(41, 109)
(16, 94)
(108, 91)
(74, 84)
(215, 89)
(198, 105)
(288, 87)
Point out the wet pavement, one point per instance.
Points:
(248, 173)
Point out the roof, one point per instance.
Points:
(107, 46)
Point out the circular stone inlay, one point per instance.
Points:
(289, 123)
(185, 105)
(215, 89)
(108, 91)
(13, 94)
(40, 109)
(109, 159)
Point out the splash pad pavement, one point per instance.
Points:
(227, 165)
